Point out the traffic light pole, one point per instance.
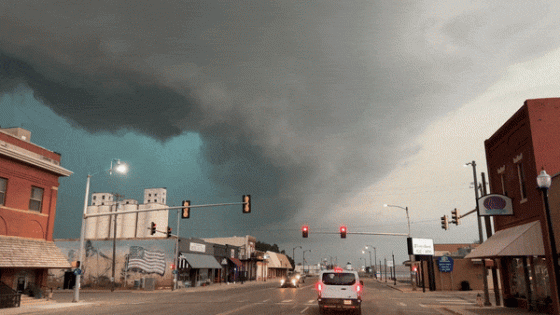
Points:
(176, 270)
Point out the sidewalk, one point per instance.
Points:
(470, 296)
(66, 302)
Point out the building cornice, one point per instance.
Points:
(30, 159)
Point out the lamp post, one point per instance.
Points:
(544, 181)
(374, 256)
(307, 250)
(294, 255)
(120, 168)
(411, 256)
(480, 236)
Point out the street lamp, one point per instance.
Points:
(374, 256)
(294, 255)
(411, 256)
(544, 181)
(118, 167)
(307, 250)
(480, 236)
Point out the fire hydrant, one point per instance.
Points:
(479, 300)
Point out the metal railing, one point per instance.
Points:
(8, 297)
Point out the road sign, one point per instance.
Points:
(77, 271)
(445, 264)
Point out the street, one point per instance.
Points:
(249, 298)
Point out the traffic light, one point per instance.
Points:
(444, 222)
(168, 232)
(343, 231)
(455, 216)
(246, 203)
(186, 210)
(305, 231)
(153, 229)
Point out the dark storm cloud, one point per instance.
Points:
(298, 102)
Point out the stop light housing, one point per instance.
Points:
(246, 203)
(343, 231)
(186, 209)
(153, 228)
(455, 216)
(168, 232)
(444, 222)
(305, 231)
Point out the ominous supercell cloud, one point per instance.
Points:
(298, 102)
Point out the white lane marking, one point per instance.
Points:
(286, 301)
(236, 310)
(455, 301)
(312, 301)
(402, 304)
(304, 310)
(265, 301)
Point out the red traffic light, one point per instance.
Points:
(305, 231)
(343, 231)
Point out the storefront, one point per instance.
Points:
(197, 269)
(524, 274)
(25, 263)
(196, 264)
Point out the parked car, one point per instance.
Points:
(340, 289)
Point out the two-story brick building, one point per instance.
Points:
(515, 155)
(28, 193)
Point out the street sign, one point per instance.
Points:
(445, 264)
(77, 271)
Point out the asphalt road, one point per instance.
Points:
(251, 298)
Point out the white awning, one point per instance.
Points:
(518, 241)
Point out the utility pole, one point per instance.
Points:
(117, 197)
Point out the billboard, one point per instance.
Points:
(494, 204)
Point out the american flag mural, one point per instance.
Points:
(146, 261)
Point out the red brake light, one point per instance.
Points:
(337, 269)
(319, 286)
(358, 288)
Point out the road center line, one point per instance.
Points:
(305, 309)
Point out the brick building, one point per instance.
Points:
(28, 193)
(515, 154)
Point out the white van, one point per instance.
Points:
(339, 289)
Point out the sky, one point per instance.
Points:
(322, 111)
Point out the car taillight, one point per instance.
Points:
(359, 289)
(319, 287)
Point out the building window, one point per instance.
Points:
(103, 197)
(501, 173)
(503, 180)
(522, 182)
(36, 199)
(3, 185)
(155, 200)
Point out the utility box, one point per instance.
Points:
(150, 284)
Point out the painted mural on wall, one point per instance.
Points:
(146, 261)
(135, 259)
